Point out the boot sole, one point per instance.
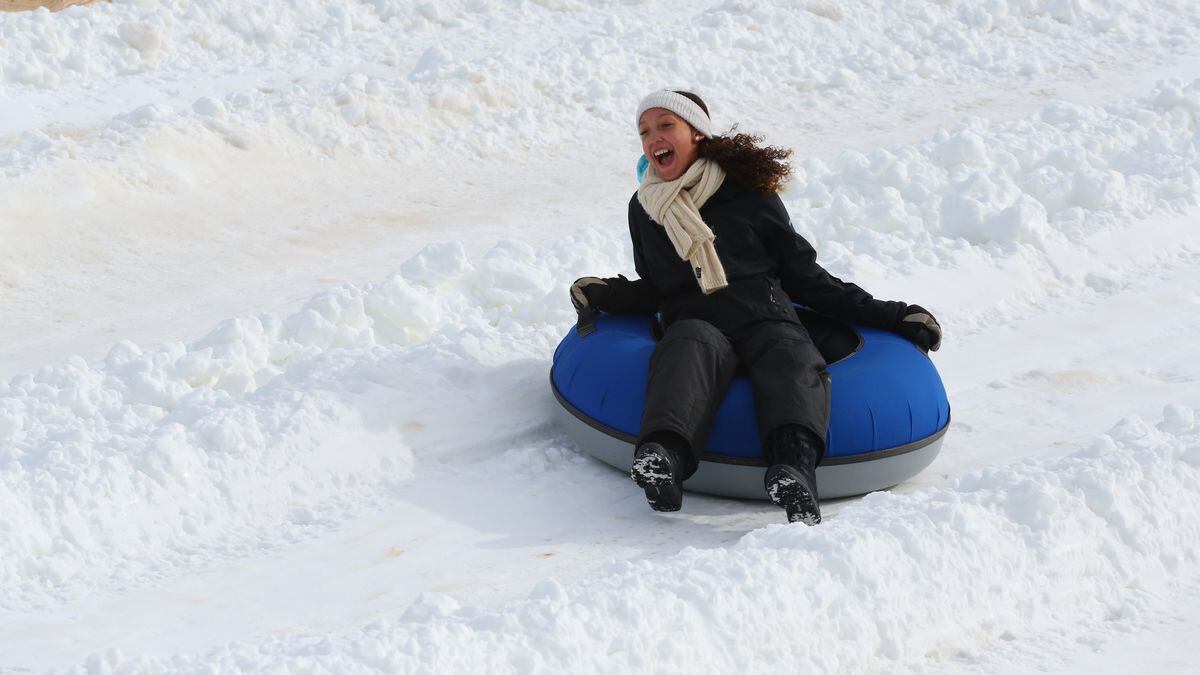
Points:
(652, 472)
(797, 499)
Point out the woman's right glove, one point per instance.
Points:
(588, 293)
(616, 295)
(920, 328)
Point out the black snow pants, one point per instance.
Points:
(694, 364)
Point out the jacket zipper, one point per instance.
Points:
(771, 295)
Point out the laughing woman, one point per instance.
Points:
(717, 255)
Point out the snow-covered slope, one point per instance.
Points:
(366, 476)
(894, 579)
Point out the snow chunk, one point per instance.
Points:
(142, 36)
(436, 263)
(964, 147)
(210, 107)
(1177, 419)
(432, 60)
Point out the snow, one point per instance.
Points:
(282, 284)
(1001, 553)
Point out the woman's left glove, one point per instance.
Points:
(919, 327)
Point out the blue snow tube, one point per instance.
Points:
(888, 408)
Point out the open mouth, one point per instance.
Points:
(664, 158)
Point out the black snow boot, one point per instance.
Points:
(791, 480)
(656, 470)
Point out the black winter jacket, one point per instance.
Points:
(768, 266)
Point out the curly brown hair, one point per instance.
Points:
(758, 167)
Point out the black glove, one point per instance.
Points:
(589, 293)
(919, 327)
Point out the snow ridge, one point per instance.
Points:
(264, 426)
(896, 579)
(456, 66)
(1051, 180)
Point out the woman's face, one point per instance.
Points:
(668, 142)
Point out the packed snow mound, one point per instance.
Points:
(1053, 179)
(123, 467)
(895, 579)
(131, 38)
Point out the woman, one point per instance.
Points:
(717, 256)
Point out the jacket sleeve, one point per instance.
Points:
(627, 296)
(807, 283)
(637, 296)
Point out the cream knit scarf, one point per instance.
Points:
(676, 206)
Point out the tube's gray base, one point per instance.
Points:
(843, 479)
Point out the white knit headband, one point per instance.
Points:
(680, 105)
